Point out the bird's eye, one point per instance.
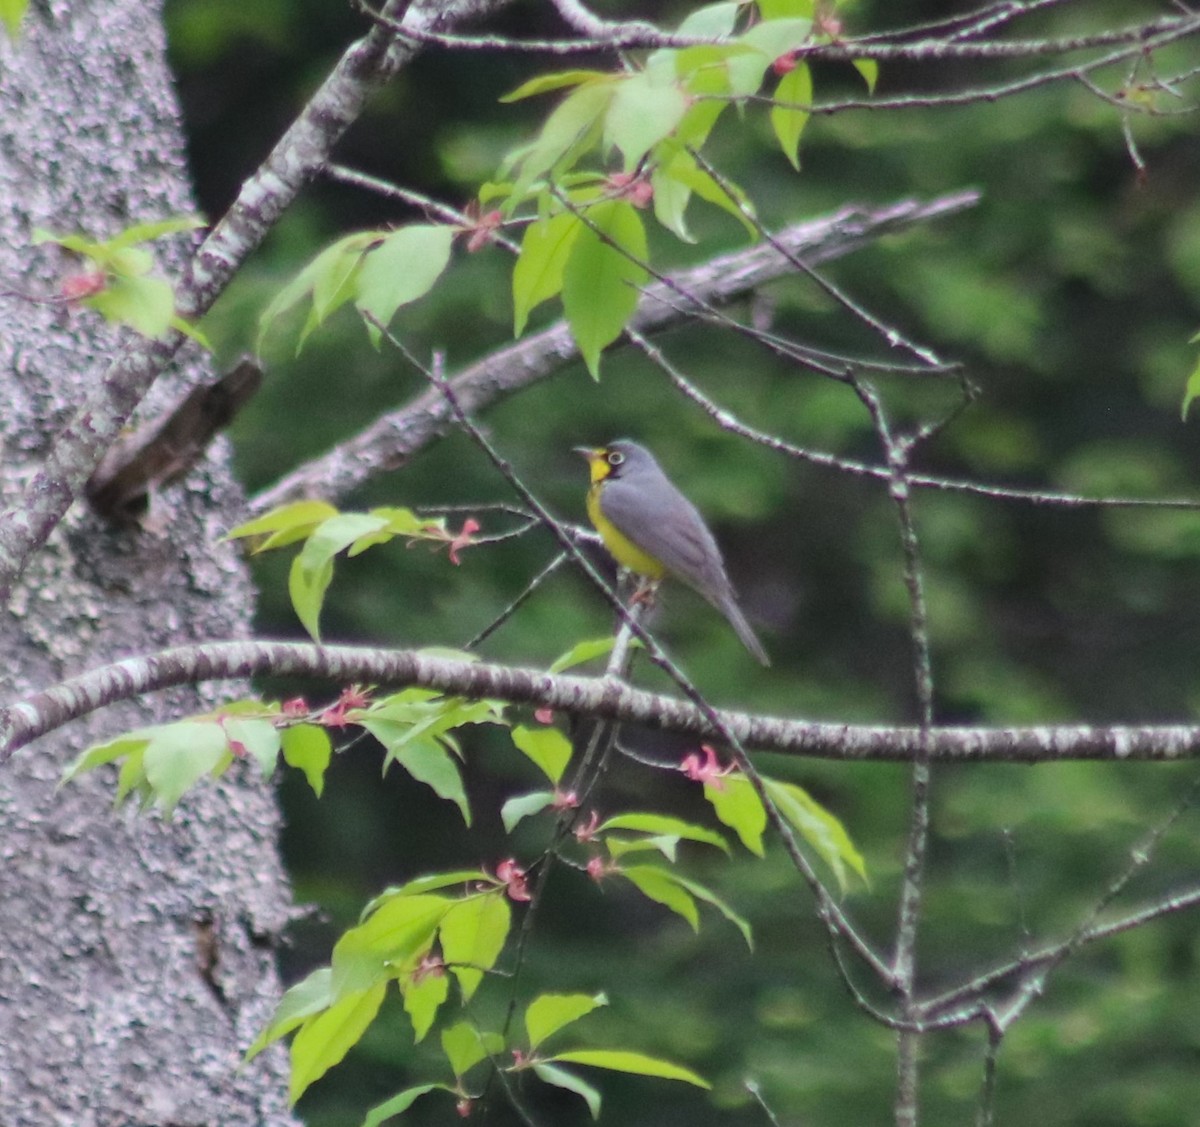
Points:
(615, 457)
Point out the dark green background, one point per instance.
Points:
(1068, 294)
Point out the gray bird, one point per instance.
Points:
(652, 529)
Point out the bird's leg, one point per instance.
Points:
(644, 592)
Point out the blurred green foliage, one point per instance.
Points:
(1068, 294)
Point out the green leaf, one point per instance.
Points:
(538, 273)
(473, 934)
(666, 844)
(109, 752)
(307, 747)
(819, 828)
(661, 886)
(869, 69)
(11, 12)
(423, 999)
(389, 938)
(782, 9)
(465, 1047)
(620, 1060)
(561, 1078)
(284, 525)
(179, 755)
(429, 883)
(701, 892)
(736, 805)
(260, 738)
(601, 280)
(549, 749)
(156, 229)
(795, 86)
(307, 997)
(583, 652)
(687, 176)
(545, 83)
(312, 569)
(425, 760)
(523, 806)
(402, 268)
(1191, 391)
(572, 129)
(325, 1039)
(662, 824)
(548, 1013)
(144, 304)
(329, 270)
(400, 1103)
(775, 37)
(643, 111)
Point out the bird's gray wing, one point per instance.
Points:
(663, 522)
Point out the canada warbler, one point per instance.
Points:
(652, 529)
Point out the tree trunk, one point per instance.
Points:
(136, 962)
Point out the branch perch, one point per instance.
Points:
(26, 720)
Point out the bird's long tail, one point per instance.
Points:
(744, 630)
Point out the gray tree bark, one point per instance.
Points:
(136, 955)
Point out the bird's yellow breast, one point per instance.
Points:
(622, 549)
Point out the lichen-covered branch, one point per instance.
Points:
(26, 720)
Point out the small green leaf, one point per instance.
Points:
(400, 1103)
(620, 1060)
(547, 747)
(423, 999)
(402, 268)
(328, 265)
(602, 277)
(538, 273)
(783, 9)
(661, 886)
(548, 1013)
(523, 806)
(701, 892)
(789, 123)
(99, 754)
(583, 652)
(179, 755)
(429, 883)
(545, 83)
(425, 760)
(156, 229)
(390, 938)
(869, 69)
(312, 570)
(465, 1047)
(736, 805)
(662, 824)
(824, 832)
(307, 747)
(1191, 391)
(309, 996)
(643, 111)
(11, 12)
(259, 738)
(473, 934)
(572, 129)
(561, 1078)
(325, 1039)
(144, 304)
(775, 37)
(284, 525)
